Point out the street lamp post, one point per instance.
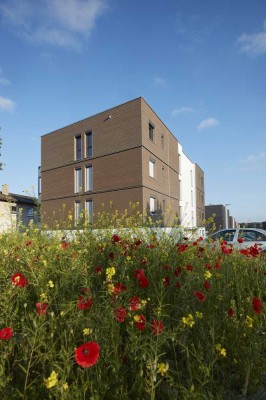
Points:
(226, 215)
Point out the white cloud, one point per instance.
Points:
(253, 158)
(6, 104)
(182, 110)
(253, 44)
(253, 162)
(4, 81)
(208, 123)
(64, 23)
(159, 82)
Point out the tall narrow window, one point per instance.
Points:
(192, 198)
(78, 147)
(191, 177)
(89, 210)
(77, 212)
(88, 182)
(162, 140)
(88, 136)
(152, 168)
(78, 180)
(151, 131)
(152, 205)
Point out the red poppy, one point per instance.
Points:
(138, 242)
(257, 305)
(65, 245)
(226, 250)
(217, 266)
(134, 303)
(19, 280)
(253, 250)
(199, 295)
(166, 281)
(6, 333)
(112, 255)
(87, 354)
(120, 314)
(141, 323)
(84, 303)
(230, 312)
(182, 247)
(244, 251)
(28, 243)
(207, 285)
(116, 239)
(118, 288)
(156, 326)
(98, 270)
(178, 285)
(41, 308)
(167, 267)
(195, 243)
(208, 266)
(177, 271)
(143, 261)
(240, 240)
(143, 281)
(189, 268)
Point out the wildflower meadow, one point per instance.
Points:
(127, 315)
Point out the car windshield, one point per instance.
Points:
(252, 236)
(224, 235)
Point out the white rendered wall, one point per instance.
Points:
(187, 190)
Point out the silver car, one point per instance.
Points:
(241, 237)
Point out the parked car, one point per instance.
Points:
(241, 238)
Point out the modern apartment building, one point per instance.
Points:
(122, 155)
(191, 183)
(221, 216)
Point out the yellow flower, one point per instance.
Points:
(249, 321)
(199, 314)
(110, 288)
(189, 320)
(143, 303)
(62, 313)
(162, 368)
(207, 274)
(87, 331)
(52, 380)
(43, 297)
(220, 349)
(110, 272)
(50, 284)
(65, 386)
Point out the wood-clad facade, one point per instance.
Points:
(122, 155)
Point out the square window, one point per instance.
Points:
(78, 180)
(89, 210)
(88, 183)
(152, 205)
(77, 212)
(88, 138)
(151, 132)
(152, 168)
(29, 211)
(78, 147)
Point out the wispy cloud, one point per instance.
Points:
(3, 80)
(159, 82)
(208, 123)
(253, 44)
(64, 23)
(253, 162)
(6, 104)
(182, 110)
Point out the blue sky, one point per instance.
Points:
(201, 65)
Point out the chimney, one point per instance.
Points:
(5, 189)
